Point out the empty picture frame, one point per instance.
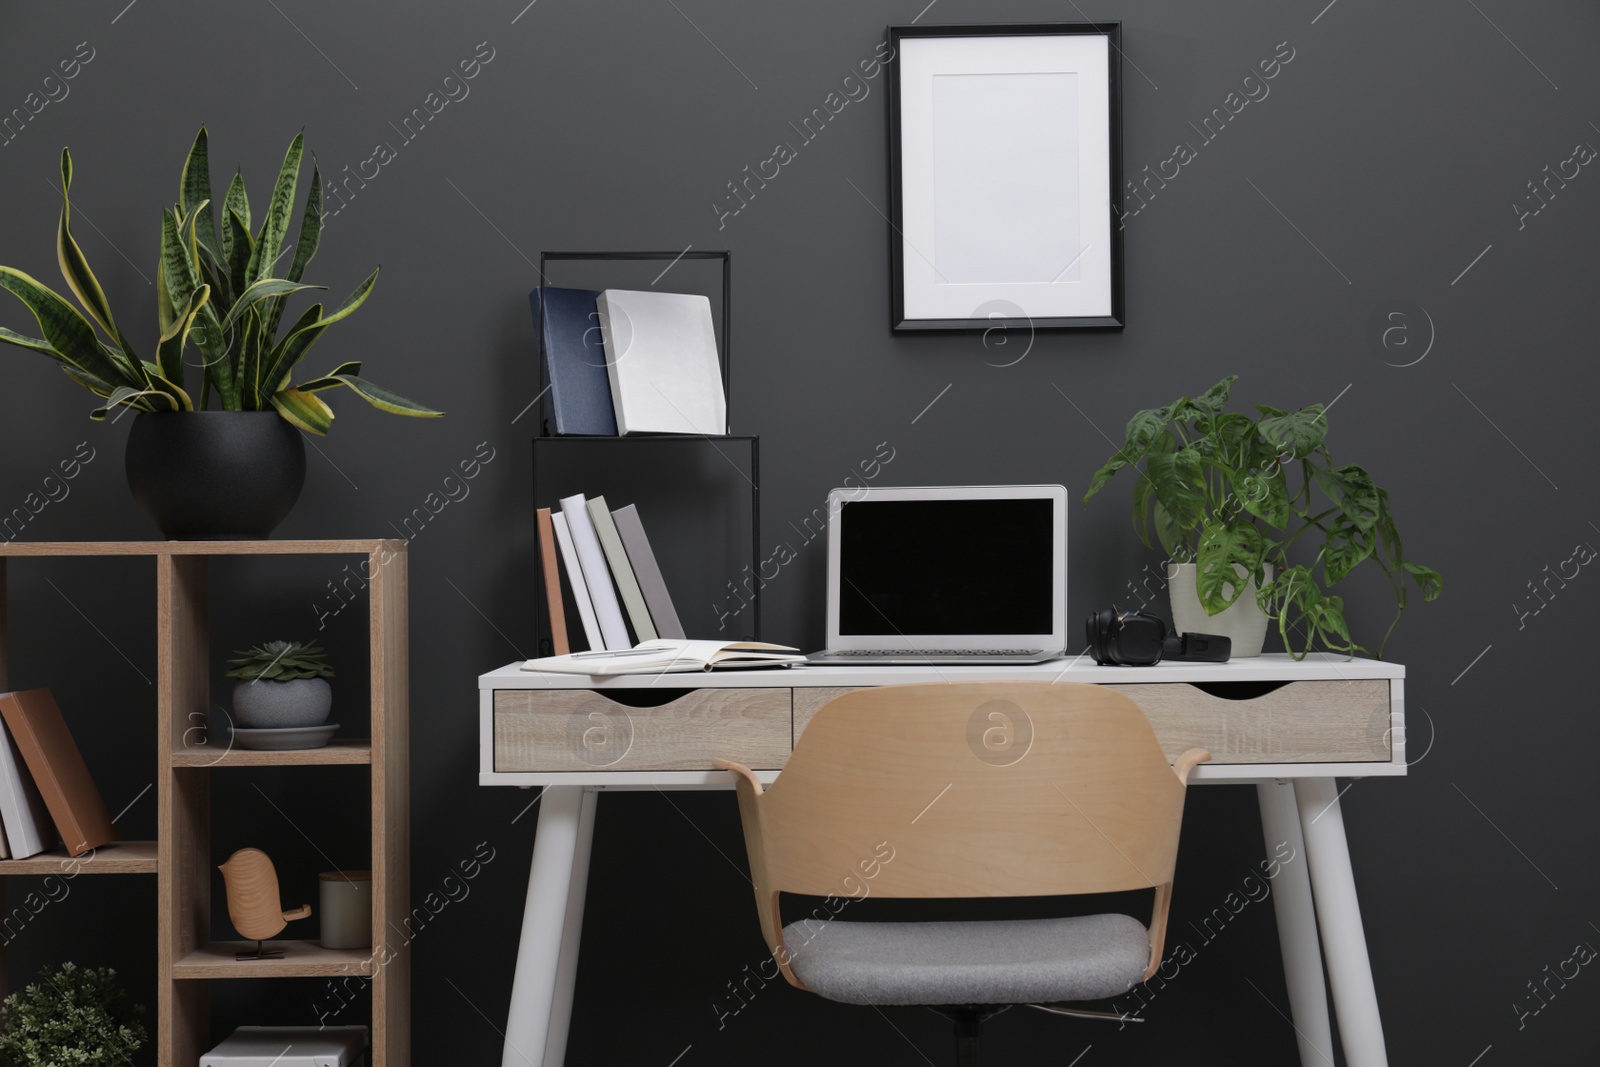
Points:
(1005, 176)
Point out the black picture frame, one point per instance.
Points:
(1116, 318)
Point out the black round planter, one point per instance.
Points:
(215, 475)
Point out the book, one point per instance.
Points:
(552, 582)
(580, 591)
(643, 561)
(574, 361)
(605, 527)
(664, 656)
(592, 560)
(661, 361)
(28, 829)
(75, 805)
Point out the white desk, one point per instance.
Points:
(1326, 718)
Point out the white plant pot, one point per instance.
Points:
(269, 705)
(1244, 623)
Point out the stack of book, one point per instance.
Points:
(611, 572)
(621, 599)
(622, 361)
(46, 793)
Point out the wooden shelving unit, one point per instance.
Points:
(119, 857)
(301, 959)
(187, 959)
(341, 750)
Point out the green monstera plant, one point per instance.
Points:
(215, 289)
(1215, 487)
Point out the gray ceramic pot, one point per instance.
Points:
(267, 705)
(1244, 623)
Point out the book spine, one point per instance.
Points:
(580, 591)
(18, 810)
(593, 561)
(547, 374)
(552, 583)
(627, 583)
(602, 307)
(643, 561)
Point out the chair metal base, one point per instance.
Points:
(969, 1020)
(1073, 1012)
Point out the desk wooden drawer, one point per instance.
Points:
(1297, 722)
(584, 730)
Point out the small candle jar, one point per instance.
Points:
(346, 898)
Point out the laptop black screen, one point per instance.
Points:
(944, 567)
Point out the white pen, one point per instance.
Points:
(618, 652)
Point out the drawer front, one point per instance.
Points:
(539, 730)
(1300, 722)
(807, 702)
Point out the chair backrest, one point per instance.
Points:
(978, 789)
(971, 790)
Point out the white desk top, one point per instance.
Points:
(1274, 667)
(1278, 667)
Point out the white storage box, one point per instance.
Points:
(290, 1046)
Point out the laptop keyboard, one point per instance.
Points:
(936, 652)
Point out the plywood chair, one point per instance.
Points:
(1004, 789)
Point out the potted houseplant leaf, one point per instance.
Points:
(282, 685)
(71, 1017)
(1229, 496)
(220, 457)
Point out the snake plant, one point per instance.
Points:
(215, 290)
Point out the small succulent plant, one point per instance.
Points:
(280, 661)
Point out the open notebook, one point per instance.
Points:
(668, 656)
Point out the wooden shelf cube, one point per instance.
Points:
(180, 856)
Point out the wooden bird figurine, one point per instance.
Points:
(253, 903)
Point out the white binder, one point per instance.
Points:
(290, 1046)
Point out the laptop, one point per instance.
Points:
(946, 575)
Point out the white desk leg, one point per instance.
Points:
(1297, 925)
(555, 1044)
(552, 922)
(1344, 943)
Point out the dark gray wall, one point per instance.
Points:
(1387, 158)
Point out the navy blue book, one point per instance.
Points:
(574, 356)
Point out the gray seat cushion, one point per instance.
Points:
(1089, 957)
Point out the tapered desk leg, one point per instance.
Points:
(552, 922)
(1297, 923)
(1344, 943)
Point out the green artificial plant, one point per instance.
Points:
(215, 289)
(1215, 487)
(280, 661)
(71, 1017)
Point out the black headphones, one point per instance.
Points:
(1135, 639)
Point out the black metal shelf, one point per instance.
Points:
(724, 354)
(745, 583)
